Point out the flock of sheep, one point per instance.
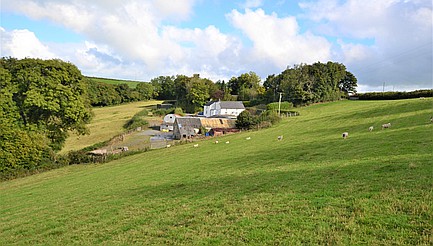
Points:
(371, 128)
(345, 134)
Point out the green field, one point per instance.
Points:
(130, 83)
(107, 123)
(313, 187)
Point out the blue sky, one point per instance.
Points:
(387, 41)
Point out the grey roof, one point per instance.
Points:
(228, 104)
(232, 105)
(210, 103)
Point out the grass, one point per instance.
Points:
(107, 123)
(312, 187)
(130, 83)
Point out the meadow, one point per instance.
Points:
(313, 187)
(130, 83)
(107, 123)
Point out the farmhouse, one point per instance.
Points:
(223, 108)
(168, 122)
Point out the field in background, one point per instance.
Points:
(313, 187)
(107, 123)
(130, 83)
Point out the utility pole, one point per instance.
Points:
(279, 105)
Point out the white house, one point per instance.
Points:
(167, 123)
(223, 108)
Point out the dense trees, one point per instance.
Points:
(41, 102)
(305, 84)
(48, 96)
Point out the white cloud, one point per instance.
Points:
(252, 4)
(278, 40)
(388, 40)
(21, 44)
(400, 32)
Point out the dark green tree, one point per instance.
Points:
(50, 96)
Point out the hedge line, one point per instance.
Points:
(394, 95)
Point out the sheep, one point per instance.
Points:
(195, 145)
(280, 137)
(248, 138)
(168, 145)
(370, 128)
(216, 141)
(388, 125)
(345, 135)
(227, 142)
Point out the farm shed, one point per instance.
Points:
(218, 123)
(223, 108)
(168, 122)
(186, 127)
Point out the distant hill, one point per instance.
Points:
(132, 84)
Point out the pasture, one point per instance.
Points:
(107, 123)
(312, 187)
(130, 83)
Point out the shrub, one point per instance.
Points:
(284, 106)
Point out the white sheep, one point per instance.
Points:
(370, 128)
(227, 142)
(216, 141)
(195, 145)
(345, 135)
(388, 125)
(168, 145)
(248, 138)
(280, 137)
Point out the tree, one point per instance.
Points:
(245, 81)
(348, 84)
(245, 120)
(50, 96)
(145, 91)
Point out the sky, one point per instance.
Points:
(386, 44)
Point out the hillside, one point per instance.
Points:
(106, 123)
(313, 187)
(130, 83)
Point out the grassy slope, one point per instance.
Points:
(107, 123)
(311, 188)
(130, 83)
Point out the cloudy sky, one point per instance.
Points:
(380, 41)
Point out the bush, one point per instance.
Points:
(245, 120)
(284, 106)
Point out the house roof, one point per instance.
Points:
(218, 123)
(228, 104)
(232, 105)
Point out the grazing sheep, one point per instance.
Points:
(345, 135)
(227, 142)
(248, 138)
(168, 145)
(388, 125)
(370, 128)
(216, 141)
(195, 145)
(280, 138)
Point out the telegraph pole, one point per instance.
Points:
(279, 105)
